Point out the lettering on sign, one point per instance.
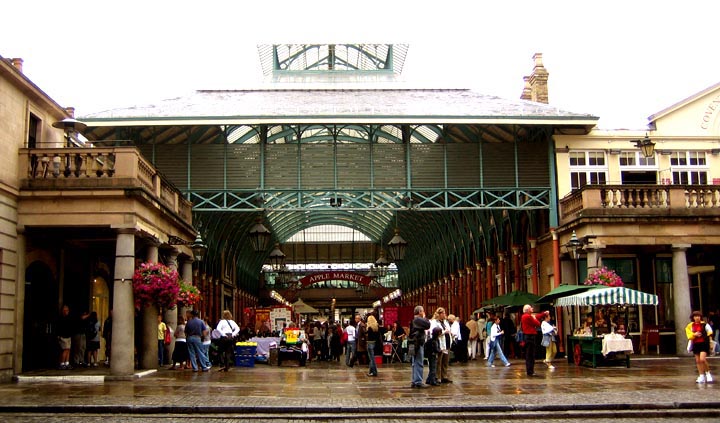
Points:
(335, 276)
(710, 110)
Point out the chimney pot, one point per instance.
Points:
(18, 63)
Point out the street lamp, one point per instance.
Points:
(199, 248)
(574, 246)
(646, 146)
(259, 236)
(381, 264)
(397, 246)
(277, 258)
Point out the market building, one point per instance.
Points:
(482, 191)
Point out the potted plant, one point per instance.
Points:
(604, 276)
(155, 284)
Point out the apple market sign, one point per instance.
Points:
(335, 276)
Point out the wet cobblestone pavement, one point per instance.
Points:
(658, 389)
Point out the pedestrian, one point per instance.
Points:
(529, 325)
(699, 334)
(107, 335)
(549, 332)
(488, 326)
(180, 352)
(161, 328)
(418, 329)
(360, 339)
(472, 326)
(373, 336)
(439, 320)
(92, 340)
(350, 345)
(432, 352)
(79, 340)
(509, 329)
(64, 336)
(195, 329)
(229, 330)
(495, 344)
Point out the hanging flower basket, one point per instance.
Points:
(604, 276)
(189, 295)
(155, 284)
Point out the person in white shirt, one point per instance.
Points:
(229, 329)
(495, 345)
(350, 345)
(443, 360)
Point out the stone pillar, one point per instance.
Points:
(170, 315)
(557, 276)
(502, 288)
(19, 300)
(489, 278)
(149, 352)
(534, 266)
(478, 284)
(122, 362)
(517, 268)
(186, 274)
(594, 257)
(681, 296)
(149, 357)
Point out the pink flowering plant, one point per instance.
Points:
(604, 276)
(155, 284)
(189, 295)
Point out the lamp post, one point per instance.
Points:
(381, 264)
(259, 236)
(646, 146)
(277, 258)
(397, 246)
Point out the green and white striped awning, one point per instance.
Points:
(609, 296)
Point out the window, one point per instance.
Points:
(636, 168)
(587, 167)
(33, 131)
(688, 167)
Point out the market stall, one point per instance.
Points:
(597, 343)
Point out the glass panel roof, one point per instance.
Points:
(328, 233)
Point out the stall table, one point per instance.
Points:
(596, 350)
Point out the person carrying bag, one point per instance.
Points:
(229, 330)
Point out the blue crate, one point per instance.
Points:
(244, 361)
(245, 350)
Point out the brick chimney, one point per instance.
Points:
(17, 62)
(536, 88)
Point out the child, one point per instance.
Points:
(432, 349)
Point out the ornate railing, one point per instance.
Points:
(97, 168)
(643, 199)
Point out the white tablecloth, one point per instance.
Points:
(263, 344)
(616, 344)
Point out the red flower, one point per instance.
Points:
(155, 283)
(604, 276)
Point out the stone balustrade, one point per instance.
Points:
(642, 200)
(97, 168)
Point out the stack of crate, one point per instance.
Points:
(245, 354)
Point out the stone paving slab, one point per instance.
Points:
(649, 384)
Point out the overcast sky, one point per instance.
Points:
(619, 60)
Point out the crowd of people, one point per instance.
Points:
(439, 340)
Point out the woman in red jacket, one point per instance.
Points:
(529, 324)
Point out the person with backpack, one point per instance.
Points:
(92, 339)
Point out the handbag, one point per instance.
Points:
(168, 336)
(690, 345)
(546, 340)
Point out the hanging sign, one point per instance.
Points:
(335, 276)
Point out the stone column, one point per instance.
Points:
(186, 274)
(19, 300)
(517, 274)
(171, 314)
(478, 285)
(594, 257)
(502, 287)
(149, 353)
(122, 362)
(489, 278)
(681, 296)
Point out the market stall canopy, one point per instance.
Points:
(564, 291)
(515, 298)
(300, 307)
(609, 296)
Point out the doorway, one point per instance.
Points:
(40, 350)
